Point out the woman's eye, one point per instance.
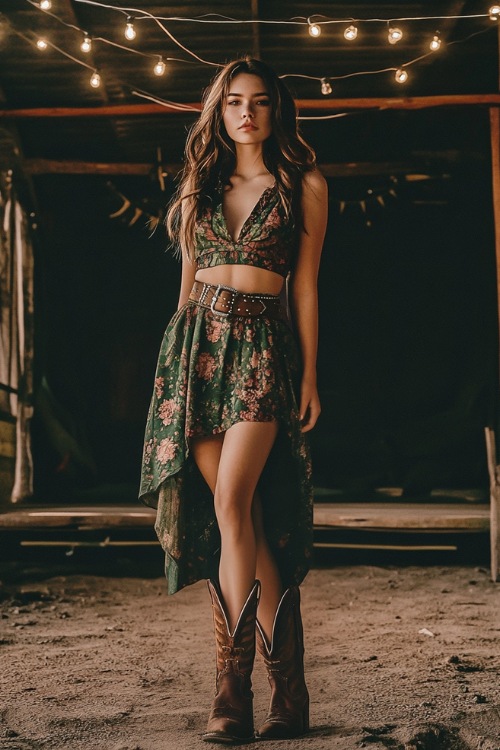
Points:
(263, 102)
(233, 101)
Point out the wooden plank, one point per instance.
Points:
(79, 518)
(417, 516)
(303, 105)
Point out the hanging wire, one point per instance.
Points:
(209, 18)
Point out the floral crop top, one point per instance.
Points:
(266, 239)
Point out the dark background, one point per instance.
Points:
(408, 337)
(407, 357)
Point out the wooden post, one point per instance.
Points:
(494, 472)
(255, 29)
(493, 468)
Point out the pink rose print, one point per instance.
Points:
(255, 359)
(214, 330)
(165, 451)
(166, 410)
(206, 366)
(159, 386)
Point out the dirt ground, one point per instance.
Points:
(398, 657)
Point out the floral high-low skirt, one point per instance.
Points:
(213, 372)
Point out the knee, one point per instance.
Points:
(232, 511)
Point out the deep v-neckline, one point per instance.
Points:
(249, 217)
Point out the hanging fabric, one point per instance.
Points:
(16, 330)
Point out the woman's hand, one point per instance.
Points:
(310, 406)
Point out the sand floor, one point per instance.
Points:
(398, 657)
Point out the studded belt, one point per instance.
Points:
(225, 301)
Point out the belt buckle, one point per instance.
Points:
(222, 288)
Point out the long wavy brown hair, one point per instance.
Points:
(210, 155)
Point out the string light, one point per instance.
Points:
(314, 29)
(95, 80)
(326, 87)
(86, 45)
(395, 35)
(130, 32)
(351, 33)
(159, 68)
(45, 4)
(401, 75)
(435, 43)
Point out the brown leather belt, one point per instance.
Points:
(225, 301)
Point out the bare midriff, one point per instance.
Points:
(248, 279)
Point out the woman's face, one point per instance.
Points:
(247, 111)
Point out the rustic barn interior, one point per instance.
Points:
(408, 360)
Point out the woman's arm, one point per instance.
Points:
(187, 280)
(304, 290)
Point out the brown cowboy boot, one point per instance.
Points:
(288, 714)
(231, 717)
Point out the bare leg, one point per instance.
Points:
(232, 465)
(267, 572)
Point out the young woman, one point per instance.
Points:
(225, 459)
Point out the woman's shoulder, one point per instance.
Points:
(314, 184)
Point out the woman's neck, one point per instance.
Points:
(249, 161)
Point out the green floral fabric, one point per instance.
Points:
(213, 372)
(266, 239)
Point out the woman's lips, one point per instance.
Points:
(248, 126)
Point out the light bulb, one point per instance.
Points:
(401, 75)
(159, 68)
(494, 12)
(95, 80)
(45, 4)
(314, 29)
(325, 87)
(435, 43)
(86, 45)
(42, 44)
(130, 32)
(351, 33)
(395, 35)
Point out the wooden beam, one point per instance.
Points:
(498, 49)
(434, 163)
(493, 468)
(255, 28)
(304, 105)
(494, 473)
(51, 166)
(409, 516)
(97, 517)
